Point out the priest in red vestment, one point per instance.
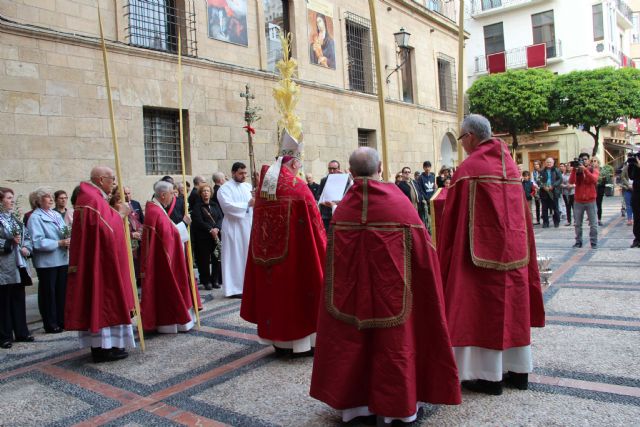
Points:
(382, 346)
(99, 299)
(167, 302)
(284, 273)
(489, 266)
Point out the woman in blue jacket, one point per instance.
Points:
(51, 238)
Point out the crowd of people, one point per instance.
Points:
(391, 318)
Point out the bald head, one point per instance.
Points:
(197, 180)
(365, 162)
(218, 178)
(104, 178)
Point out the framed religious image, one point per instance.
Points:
(227, 21)
(322, 49)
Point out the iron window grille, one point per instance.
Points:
(493, 38)
(155, 24)
(366, 138)
(447, 82)
(162, 141)
(360, 61)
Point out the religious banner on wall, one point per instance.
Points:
(322, 50)
(227, 21)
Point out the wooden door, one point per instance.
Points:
(542, 156)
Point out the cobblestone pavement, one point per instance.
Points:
(587, 369)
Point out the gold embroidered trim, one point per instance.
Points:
(432, 214)
(365, 199)
(73, 269)
(486, 263)
(407, 295)
(275, 260)
(82, 208)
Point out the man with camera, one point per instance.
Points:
(584, 175)
(550, 192)
(633, 162)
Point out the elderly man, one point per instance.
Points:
(286, 257)
(550, 192)
(326, 208)
(218, 179)
(489, 269)
(382, 345)
(99, 299)
(167, 303)
(313, 186)
(193, 196)
(236, 202)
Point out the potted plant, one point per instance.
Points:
(606, 176)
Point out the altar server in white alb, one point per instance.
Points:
(236, 201)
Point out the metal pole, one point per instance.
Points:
(116, 151)
(383, 127)
(460, 74)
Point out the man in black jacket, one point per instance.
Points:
(550, 192)
(634, 174)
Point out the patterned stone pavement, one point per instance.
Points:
(587, 369)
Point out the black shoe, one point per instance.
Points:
(493, 388)
(215, 286)
(577, 245)
(207, 286)
(308, 353)
(568, 224)
(594, 246)
(236, 296)
(100, 355)
(600, 223)
(6, 344)
(55, 330)
(367, 420)
(635, 245)
(519, 381)
(556, 225)
(28, 338)
(545, 225)
(282, 352)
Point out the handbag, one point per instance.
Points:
(25, 279)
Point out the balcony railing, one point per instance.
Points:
(479, 6)
(625, 10)
(442, 7)
(517, 58)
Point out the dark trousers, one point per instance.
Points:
(537, 209)
(13, 315)
(208, 265)
(635, 206)
(52, 290)
(550, 205)
(599, 197)
(568, 202)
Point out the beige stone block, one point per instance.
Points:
(8, 9)
(43, 4)
(79, 107)
(27, 14)
(6, 126)
(122, 130)
(68, 7)
(211, 151)
(52, 19)
(81, 63)
(94, 77)
(30, 125)
(229, 119)
(21, 69)
(58, 88)
(9, 52)
(28, 54)
(61, 126)
(88, 127)
(64, 74)
(88, 91)
(220, 134)
(102, 93)
(13, 171)
(238, 134)
(24, 103)
(56, 59)
(50, 105)
(201, 134)
(237, 152)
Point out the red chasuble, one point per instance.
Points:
(284, 273)
(99, 292)
(437, 208)
(487, 254)
(166, 293)
(382, 337)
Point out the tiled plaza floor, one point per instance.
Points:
(587, 362)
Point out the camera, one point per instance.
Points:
(576, 162)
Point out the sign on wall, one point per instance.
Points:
(322, 50)
(227, 21)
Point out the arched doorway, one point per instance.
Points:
(448, 150)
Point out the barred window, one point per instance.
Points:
(447, 82)
(276, 16)
(366, 138)
(155, 24)
(360, 56)
(162, 141)
(544, 31)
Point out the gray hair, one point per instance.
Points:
(477, 125)
(364, 162)
(162, 187)
(217, 177)
(40, 192)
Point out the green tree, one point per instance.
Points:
(515, 102)
(592, 99)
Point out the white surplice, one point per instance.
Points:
(236, 229)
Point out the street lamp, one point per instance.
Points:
(402, 42)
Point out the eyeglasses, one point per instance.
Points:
(333, 169)
(463, 135)
(112, 178)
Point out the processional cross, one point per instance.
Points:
(250, 116)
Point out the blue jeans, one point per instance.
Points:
(578, 211)
(627, 203)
